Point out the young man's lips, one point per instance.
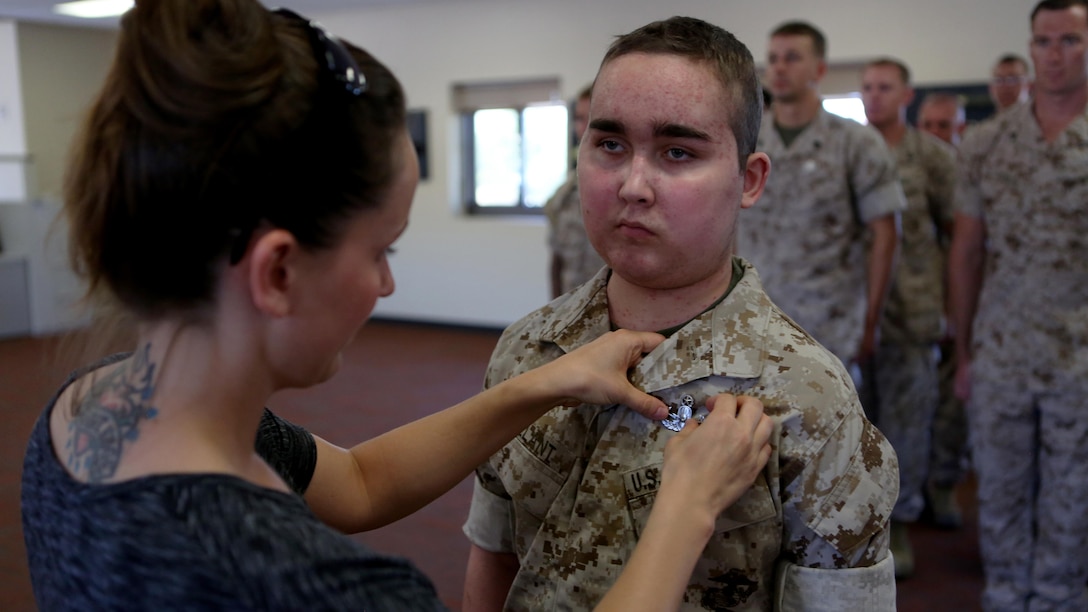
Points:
(634, 229)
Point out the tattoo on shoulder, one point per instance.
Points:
(110, 416)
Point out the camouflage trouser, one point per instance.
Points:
(1030, 452)
(948, 460)
(906, 397)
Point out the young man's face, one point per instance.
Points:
(941, 119)
(1008, 84)
(1059, 46)
(658, 172)
(792, 67)
(884, 94)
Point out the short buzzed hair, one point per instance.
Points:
(728, 58)
(944, 97)
(1056, 5)
(803, 28)
(1012, 58)
(904, 72)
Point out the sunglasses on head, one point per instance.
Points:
(331, 54)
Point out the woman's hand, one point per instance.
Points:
(596, 373)
(709, 466)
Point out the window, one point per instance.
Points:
(848, 106)
(515, 139)
(840, 90)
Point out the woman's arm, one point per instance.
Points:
(389, 477)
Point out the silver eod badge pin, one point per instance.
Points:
(678, 415)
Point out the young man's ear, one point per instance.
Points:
(272, 271)
(756, 171)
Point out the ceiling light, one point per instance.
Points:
(93, 9)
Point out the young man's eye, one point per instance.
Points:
(609, 145)
(676, 153)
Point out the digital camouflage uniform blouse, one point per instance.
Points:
(570, 495)
(915, 309)
(1032, 197)
(806, 234)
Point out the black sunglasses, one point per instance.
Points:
(338, 63)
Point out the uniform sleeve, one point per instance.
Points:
(874, 179)
(490, 517)
(941, 182)
(837, 503)
(968, 198)
(806, 589)
(843, 494)
(289, 449)
(490, 523)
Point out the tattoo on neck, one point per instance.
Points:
(110, 416)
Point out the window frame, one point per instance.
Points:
(517, 96)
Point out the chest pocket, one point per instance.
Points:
(534, 466)
(531, 481)
(755, 506)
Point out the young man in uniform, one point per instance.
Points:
(834, 185)
(942, 114)
(1010, 82)
(906, 380)
(1019, 282)
(664, 178)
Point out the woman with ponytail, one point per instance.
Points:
(234, 193)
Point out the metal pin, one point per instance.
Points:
(679, 415)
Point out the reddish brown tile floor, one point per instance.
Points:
(393, 373)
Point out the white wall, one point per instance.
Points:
(13, 171)
(60, 69)
(451, 268)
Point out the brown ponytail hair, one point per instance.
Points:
(214, 118)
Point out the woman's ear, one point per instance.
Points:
(273, 272)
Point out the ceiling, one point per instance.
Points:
(41, 10)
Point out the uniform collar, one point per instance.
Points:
(770, 140)
(729, 340)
